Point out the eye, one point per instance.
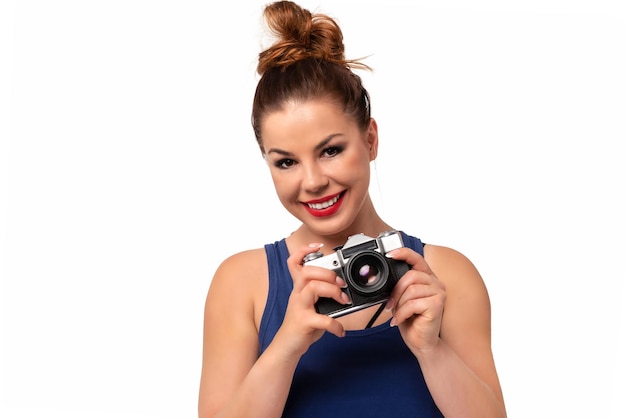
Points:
(332, 151)
(284, 163)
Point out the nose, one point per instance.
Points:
(315, 179)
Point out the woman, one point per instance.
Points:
(268, 350)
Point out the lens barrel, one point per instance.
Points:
(367, 272)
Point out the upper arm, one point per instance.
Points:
(230, 341)
(466, 323)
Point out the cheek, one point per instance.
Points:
(284, 185)
(356, 168)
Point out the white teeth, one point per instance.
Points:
(324, 205)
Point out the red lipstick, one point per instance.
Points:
(319, 211)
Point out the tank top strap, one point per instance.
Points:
(279, 288)
(413, 243)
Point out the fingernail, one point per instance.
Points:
(345, 298)
(340, 282)
(392, 323)
(391, 253)
(390, 304)
(316, 245)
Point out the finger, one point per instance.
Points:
(315, 273)
(416, 290)
(412, 258)
(316, 289)
(329, 324)
(297, 256)
(427, 308)
(421, 283)
(322, 274)
(295, 262)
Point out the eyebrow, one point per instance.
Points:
(318, 147)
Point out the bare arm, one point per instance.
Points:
(444, 315)
(235, 381)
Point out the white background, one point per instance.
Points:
(130, 170)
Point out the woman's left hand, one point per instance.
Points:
(417, 302)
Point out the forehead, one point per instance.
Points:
(298, 122)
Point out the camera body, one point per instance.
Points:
(369, 275)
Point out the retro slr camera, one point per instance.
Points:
(369, 275)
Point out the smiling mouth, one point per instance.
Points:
(326, 204)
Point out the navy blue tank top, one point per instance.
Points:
(368, 373)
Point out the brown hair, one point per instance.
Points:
(307, 61)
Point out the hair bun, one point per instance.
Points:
(299, 35)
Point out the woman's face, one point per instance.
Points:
(320, 163)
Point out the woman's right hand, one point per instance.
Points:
(302, 325)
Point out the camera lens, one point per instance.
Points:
(368, 272)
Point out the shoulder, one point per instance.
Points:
(242, 263)
(467, 298)
(240, 284)
(243, 270)
(464, 284)
(450, 264)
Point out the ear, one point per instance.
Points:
(372, 139)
